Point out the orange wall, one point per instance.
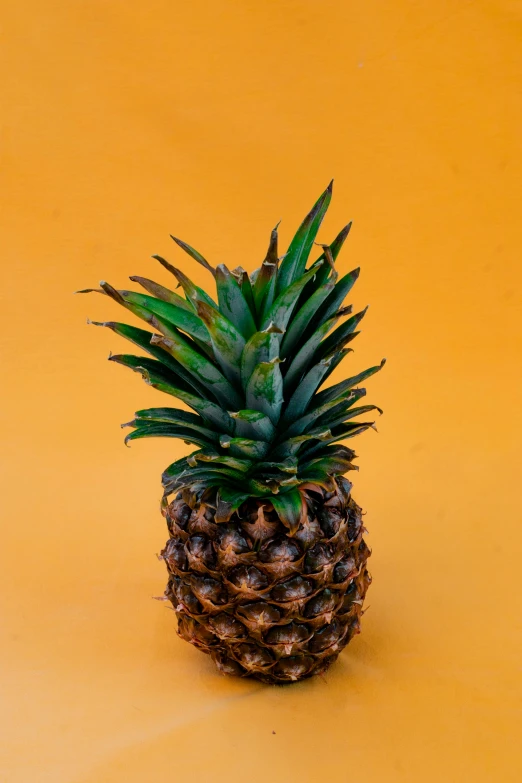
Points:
(124, 121)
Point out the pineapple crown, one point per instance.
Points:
(250, 366)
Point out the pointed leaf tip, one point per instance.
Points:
(112, 292)
(194, 254)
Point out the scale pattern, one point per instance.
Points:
(263, 603)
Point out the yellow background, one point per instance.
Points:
(123, 121)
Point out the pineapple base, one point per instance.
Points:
(261, 602)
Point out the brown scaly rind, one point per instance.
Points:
(261, 602)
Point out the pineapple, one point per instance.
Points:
(266, 558)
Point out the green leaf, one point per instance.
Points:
(202, 369)
(283, 307)
(227, 342)
(142, 338)
(313, 476)
(325, 272)
(290, 447)
(336, 245)
(176, 418)
(329, 465)
(343, 412)
(228, 501)
(332, 392)
(305, 356)
(262, 347)
(133, 301)
(298, 324)
(257, 488)
(337, 297)
(163, 430)
(245, 447)
(172, 314)
(300, 399)
(151, 367)
(160, 292)
(228, 461)
(194, 254)
(290, 508)
(169, 330)
(340, 336)
(245, 285)
(253, 424)
(342, 432)
(294, 262)
(264, 286)
(232, 303)
(168, 415)
(208, 410)
(337, 358)
(177, 467)
(192, 292)
(331, 451)
(264, 391)
(283, 466)
(159, 377)
(305, 422)
(205, 477)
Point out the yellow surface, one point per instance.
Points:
(124, 121)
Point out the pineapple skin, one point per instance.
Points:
(261, 602)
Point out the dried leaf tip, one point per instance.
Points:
(272, 328)
(112, 292)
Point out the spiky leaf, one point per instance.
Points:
(294, 262)
(302, 319)
(245, 447)
(194, 254)
(283, 307)
(333, 392)
(232, 302)
(340, 337)
(305, 356)
(227, 342)
(160, 292)
(265, 285)
(202, 369)
(301, 397)
(192, 292)
(262, 347)
(198, 436)
(228, 501)
(265, 390)
(253, 424)
(290, 508)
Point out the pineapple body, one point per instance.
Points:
(261, 602)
